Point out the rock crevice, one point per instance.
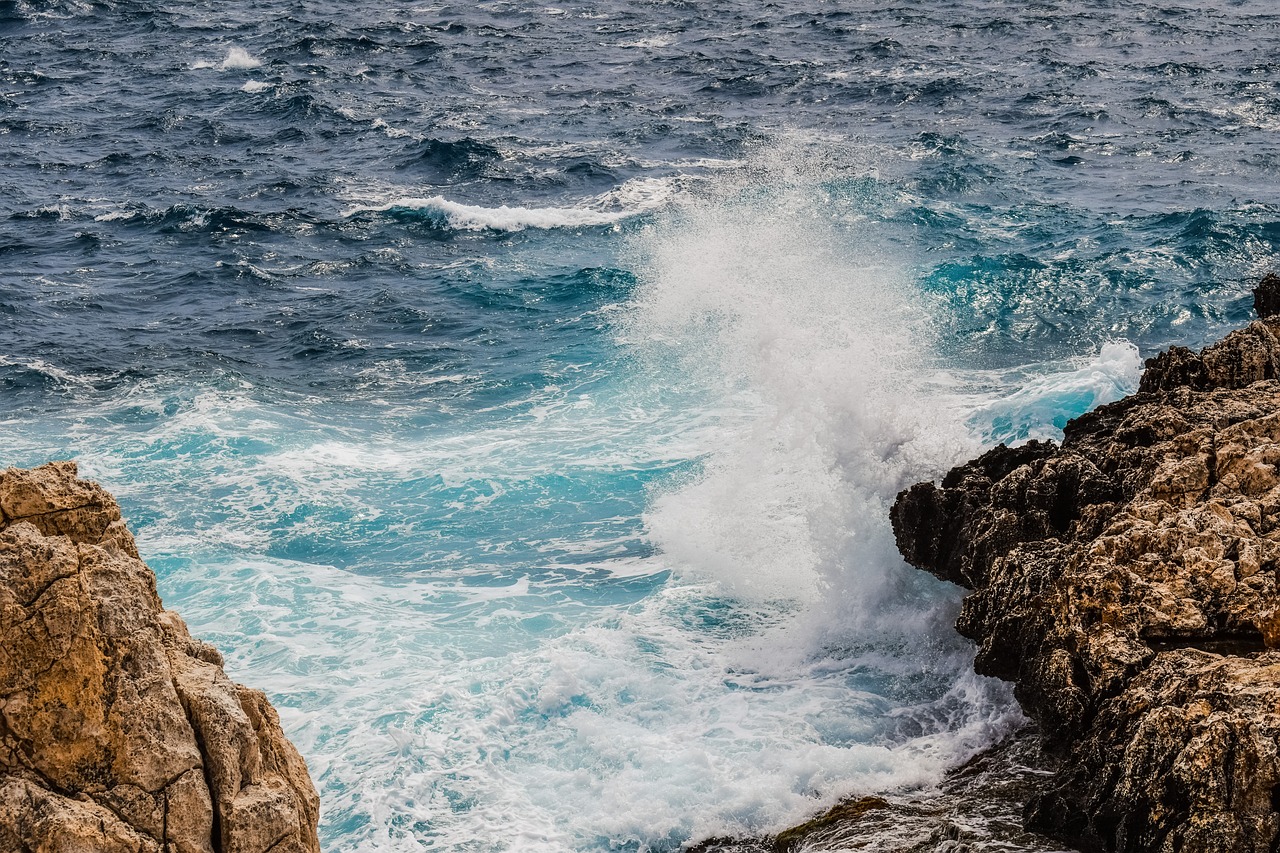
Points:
(118, 730)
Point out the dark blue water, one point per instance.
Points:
(516, 392)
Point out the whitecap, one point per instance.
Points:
(663, 40)
(630, 199)
(1046, 396)
(238, 59)
(470, 217)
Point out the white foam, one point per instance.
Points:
(469, 217)
(391, 132)
(632, 198)
(255, 86)
(663, 40)
(237, 59)
(63, 377)
(791, 318)
(630, 728)
(1046, 396)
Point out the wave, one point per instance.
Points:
(445, 160)
(15, 372)
(184, 218)
(631, 199)
(237, 59)
(452, 215)
(1041, 407)
(768, 303)
(809, 339)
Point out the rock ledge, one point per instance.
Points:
(1126, 582)
(119, 732)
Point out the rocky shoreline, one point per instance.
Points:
(119, 732)
(1126, 582)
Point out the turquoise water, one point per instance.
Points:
(517, 394)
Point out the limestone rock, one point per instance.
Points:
(1126, 582)
(118, 730)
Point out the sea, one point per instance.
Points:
(516, 391)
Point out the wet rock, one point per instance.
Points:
(118, 730)
(1126, 582)
(1266, 296)
(977, 808)
(837, 818)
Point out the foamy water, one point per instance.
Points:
(655, 599)
(517, 396)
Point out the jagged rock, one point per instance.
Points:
(1126, 582)
(118, 730)
(1243, 357)
(1266, 296)
(975, 809)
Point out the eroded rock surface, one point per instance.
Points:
(118, 730)
(975, 809)
(1126, 582)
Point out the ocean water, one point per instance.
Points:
(516, 392)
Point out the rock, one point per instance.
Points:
(1266, 296)
(1126, 582)
(976, 809)
(838, 816)
(1243, 357)
(118, 730)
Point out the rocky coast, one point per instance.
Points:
(119, 731)
(1125, 580)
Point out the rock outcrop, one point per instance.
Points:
(119, 732)
(977, 808)
(1126, 581)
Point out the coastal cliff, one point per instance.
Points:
(119, 732)
(1126, 582)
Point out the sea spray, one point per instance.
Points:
(513, 657)
(773, 298)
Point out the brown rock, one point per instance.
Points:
(118, 730)
(977, 808)
(1266, 296)
(1126, 582)
(1241, 358)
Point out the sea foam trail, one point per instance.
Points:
(633, 198)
